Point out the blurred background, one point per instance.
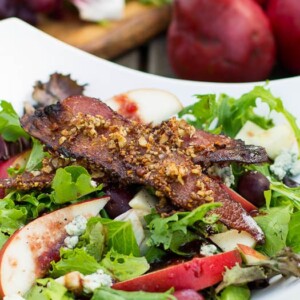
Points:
(215, 40)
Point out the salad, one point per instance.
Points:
(73, 230)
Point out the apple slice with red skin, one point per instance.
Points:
(27, 254)
(17, 161)
(248, 206)
(196, 274)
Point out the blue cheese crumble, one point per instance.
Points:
(96, 280)
(225, 174)
(286, 163)
(208, 250)
(74, 229)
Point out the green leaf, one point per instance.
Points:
(72, 183)
(10, 127)
(293, 238)
(93, 238)
(111, 294)
(284, 195)
(229, 114)
(11, 217)
(234, 292)
(275, 225)
(36, 156)
(169, 231)
(48, 289)
(74, 260)
(124, 267)
(120, 237)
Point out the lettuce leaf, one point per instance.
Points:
(124, 267)
(71, 183)
(93, 238)
(48, 289)
(234, 292)
(293, 237)
(11, 217)
(120, 237)
(111, 294)
(74, 260)
(173, 232)
(275, 225)
(10, 127)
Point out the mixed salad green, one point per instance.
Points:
(110, 248)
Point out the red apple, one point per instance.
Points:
(196, 274)
(220, 40)
(27, 254)
(248, 206)
(285, 19)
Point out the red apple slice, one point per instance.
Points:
(196, 274)
(27, 254)
(146, 105)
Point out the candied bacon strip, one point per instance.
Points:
(85, 128)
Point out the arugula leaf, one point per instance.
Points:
(111, 294)
(169, 231)
(124, 267)
(228, 114)
(74, 260)
(71, 183)
(46, 289)
(10, 127)
(120, 237)
(275, 225)
(284, 195)
(234, 292)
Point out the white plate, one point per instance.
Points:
(27, 55)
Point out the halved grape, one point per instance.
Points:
(252, 185)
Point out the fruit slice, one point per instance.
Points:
(250, 256)
(146, 105)
(248, 206)
(18, 161)
(229, 240)
(27, 254)
(196, 274)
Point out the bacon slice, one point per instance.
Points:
(85, 128)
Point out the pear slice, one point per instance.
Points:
(27, 254)
(146, 105)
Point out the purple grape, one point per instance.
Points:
(119, 199)
(252, 185)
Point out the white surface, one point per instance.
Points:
(27, 55)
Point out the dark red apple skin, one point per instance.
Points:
(220, 40)
(196, 274)
(285, 19)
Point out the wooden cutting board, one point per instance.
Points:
(139, 24)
